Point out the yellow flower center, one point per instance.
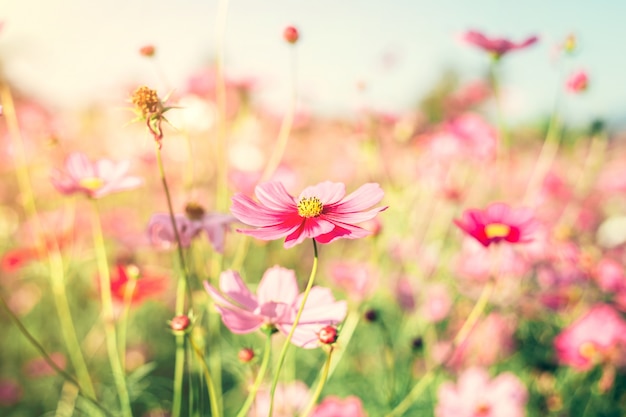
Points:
(587, 350)
(91, 183)
(494, 230)
(310, 207)
(146, 101)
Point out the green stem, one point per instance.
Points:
(458, 340)
(42, 351)
(259, 377)
(320, 385)
(504, 141)
(283, 352)
(107, 314)
(57, 273)
(285, 127)
(123, 321)
(213, 397)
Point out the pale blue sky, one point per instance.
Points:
(69, 52)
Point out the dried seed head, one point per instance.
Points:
(146, 101)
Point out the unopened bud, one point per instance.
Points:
(328, 335)
(291, 34)
(370, 315)
(147, 51)
(245, 355)
(180, 323)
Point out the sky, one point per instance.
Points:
(69, 53)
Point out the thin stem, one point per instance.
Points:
(108, 316)
(259, 377)
(283, 352)
(57, 273)
(123, 321)
(320, 385)
(42, 351)
(213, 397)
(220, 32)
(285, 126)
(458, 340)
(504, 140)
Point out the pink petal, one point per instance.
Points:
(345, 231)
(279, 285)
(354, 217)
(233, 286)
(251, 213)
(361, 199)
(274, 196)
(78, 166)
(328, 192)
(239, 321)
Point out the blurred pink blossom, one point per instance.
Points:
(94, 179)
(214, 225)
(276, 304)
(467, 135)
(609, 274)
(476, 395)
(497, 47)
(597, 337)
(498, 222)
(38, 367)
(577, 82)
(336, 407)
(322, 212)
(436, 303)
(289, 400)
(11, 392)
(355, 278)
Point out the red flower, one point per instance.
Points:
(124, 277)
(496, 223)
(497, 46)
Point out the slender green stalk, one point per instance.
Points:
(123, 321)
(213, 397)
(107, 314)
(259, 377)
(283, 352)
(57, 273)
(285, 126)
(220, 32)
(320, 385)
(504, 140)
(458, 340)
(42, 351)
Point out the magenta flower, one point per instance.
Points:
(94, 179)
(322, 212)
(190, 225)
(496, 223)
(477, 395)
(276, 304)
(497, 46)
(336, 407)
(597, 337)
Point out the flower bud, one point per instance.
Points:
(147, 51)
(291, 35)
(370, 315)
(245, 355)
(180, 323)
(328, 335)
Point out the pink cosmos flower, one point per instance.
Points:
(597, 337)
(577, 82)
(94, 179)
(497, 46)
(476, 395)
(356, 279)
(496, 223)
(322, 212)
(190, 225)
(290, 400)
(336, 407)
(276, 304)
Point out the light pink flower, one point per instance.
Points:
(289, 400)
(356, 279)
(437, 303)
(597, 337)
(577, 82)
(322, 212)
(336, 407)
(214, 225)
(497, 46)
(610, 276)
(94, 179)
(476, 395)
(276, 304)
(496, 223)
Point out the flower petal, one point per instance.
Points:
(274, 196)
(278, 285)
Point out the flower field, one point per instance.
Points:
(191, 252)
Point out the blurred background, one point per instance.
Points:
(353, 54)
